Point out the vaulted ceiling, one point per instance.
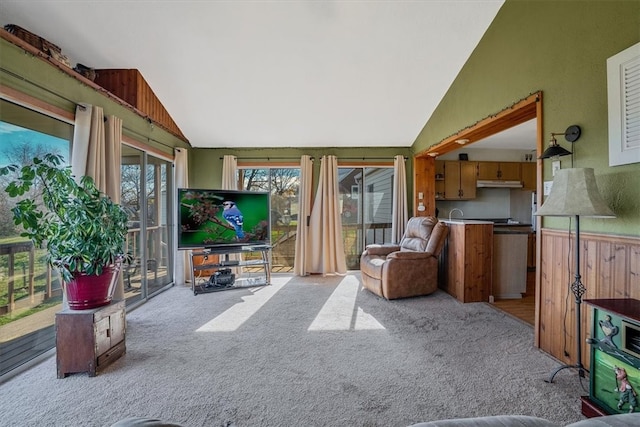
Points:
(275, 73)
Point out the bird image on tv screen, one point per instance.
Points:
(216, 218)
(234, 217)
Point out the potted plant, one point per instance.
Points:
(83, 230)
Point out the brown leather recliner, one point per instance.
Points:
(409, 269)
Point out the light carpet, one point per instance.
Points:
(312, 351)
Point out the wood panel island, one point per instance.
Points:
(465, 267)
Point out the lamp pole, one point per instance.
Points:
(574, 194)
(578, 290)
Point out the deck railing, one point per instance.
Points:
(20, 277)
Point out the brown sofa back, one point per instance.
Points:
(424, 234)
(417, 234)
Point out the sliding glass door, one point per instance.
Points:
(283, 184)
(366, 201)
(144, 197)
(30, 291)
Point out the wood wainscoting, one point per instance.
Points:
(610, 267)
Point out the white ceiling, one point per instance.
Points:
(275, 73)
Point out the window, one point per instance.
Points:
(30, 293)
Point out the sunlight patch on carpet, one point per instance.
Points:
(235, 316)
(341, 313)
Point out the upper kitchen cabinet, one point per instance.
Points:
(439, 179)
(528, 176)
(459, 180)
(505, 171)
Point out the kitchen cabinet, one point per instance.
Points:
(529, 172)
(509, 264)
(531, 251)
(459, 180)
(439, 179)
(504, 171)
(615, 343)
(531, 242)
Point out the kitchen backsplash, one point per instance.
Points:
(491, 203)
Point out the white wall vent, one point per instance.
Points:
(623, 87)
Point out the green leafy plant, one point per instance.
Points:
(82, 229)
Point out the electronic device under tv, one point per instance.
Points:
(216, 219)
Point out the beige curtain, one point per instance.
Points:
(97, 149)
(96, 152)
(304, 209)
(112, 183)
(81, 137)
(400, 214)
(230, 182)
(182, 264)
(326, 249)
(229, 172)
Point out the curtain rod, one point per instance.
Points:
(267, 158)
(368, 158)
(312, 158)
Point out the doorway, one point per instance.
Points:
(522, 111)
(366, 200)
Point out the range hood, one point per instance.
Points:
(486, 183)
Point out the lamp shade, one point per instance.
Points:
(574, 192)
(553, 151)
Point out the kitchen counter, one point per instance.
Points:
(498, 227)
(485, 257)
(464, 221)
(466, 259)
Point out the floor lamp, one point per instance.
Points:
(574, 194)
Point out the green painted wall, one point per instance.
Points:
(37, 78)
(559, 48)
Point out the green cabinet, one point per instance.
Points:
(615, 343)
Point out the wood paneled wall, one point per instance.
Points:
(610, 268)
(424, 181)
(130, 86)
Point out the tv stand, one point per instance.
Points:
(249, 270)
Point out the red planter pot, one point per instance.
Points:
(91, 291)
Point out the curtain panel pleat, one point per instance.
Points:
(229, 172)
(81, 135)
(304, 210)
(326, 248)
(400, 214)
(230, 182)
(96, 152)
(113, 158)
(182, 274)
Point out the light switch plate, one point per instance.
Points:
(547, 187)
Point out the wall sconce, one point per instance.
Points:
(554, 150)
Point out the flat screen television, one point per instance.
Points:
(219, 218)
